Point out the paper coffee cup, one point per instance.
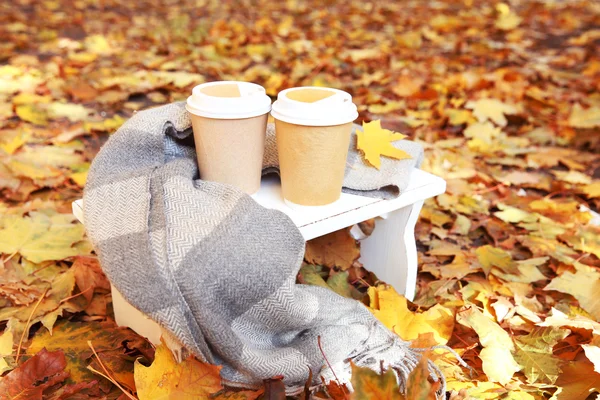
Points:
(229, 120)
(313, 127)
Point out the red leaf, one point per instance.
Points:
(29, 380)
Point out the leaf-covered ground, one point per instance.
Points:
(505, 97)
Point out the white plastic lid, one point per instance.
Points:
(314, 106)
(228, 100)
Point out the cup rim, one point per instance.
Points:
(340, 110)
(204, 105)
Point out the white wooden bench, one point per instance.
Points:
(390, 252)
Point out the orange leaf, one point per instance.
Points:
(337, 249)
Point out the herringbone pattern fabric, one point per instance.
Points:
(217, 270)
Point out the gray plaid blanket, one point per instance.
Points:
(217, 270)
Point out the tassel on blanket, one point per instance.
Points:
(391, 352)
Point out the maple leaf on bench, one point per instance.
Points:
(375, 142)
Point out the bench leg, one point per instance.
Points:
(391, 250)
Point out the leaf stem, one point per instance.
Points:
(342, 387)
(27, 325)
(108, 376)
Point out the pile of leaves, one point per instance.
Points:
(503, 96)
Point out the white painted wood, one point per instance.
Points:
(127, 315)
(390, 252)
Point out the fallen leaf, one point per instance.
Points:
(241, 395)
(584, 285)
(336, 249)
(491, 109)
(89, 276)
(274, 388)
(496, 356)
(577, 381)
(490, 256)
(508, 22)
(165, 379)
(369, 385)
(73, 112)
(108, 340)
(584, 118)
(418, 385)
(31, 378)
(592, 352)
(574, 177)
(32, 113)
(392, 310)
(374, 141)
(40, 237)
(6, 346)
(534, 353)
(560, 319)
(592, 190)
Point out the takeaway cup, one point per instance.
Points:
(229, 120)
(313, 126)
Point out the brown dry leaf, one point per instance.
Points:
(374, 142)
(165, 379)
(89, 276)
(33, 377)
(578, 380)
(336, 249)
(240, 395)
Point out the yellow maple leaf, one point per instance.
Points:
(534, 353)
(490, 256)
(592, 190)
(32, 113)
(491, 109)
(584, 118)
(584, 285)
(40, 237)
(6, 345)
(375, 141)
(497, 359)
(166, 379)
(392, 310)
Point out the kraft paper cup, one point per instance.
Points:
(313, 127)
(229, 120)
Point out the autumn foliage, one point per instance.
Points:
(503, 96)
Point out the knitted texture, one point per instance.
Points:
(218, 271)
